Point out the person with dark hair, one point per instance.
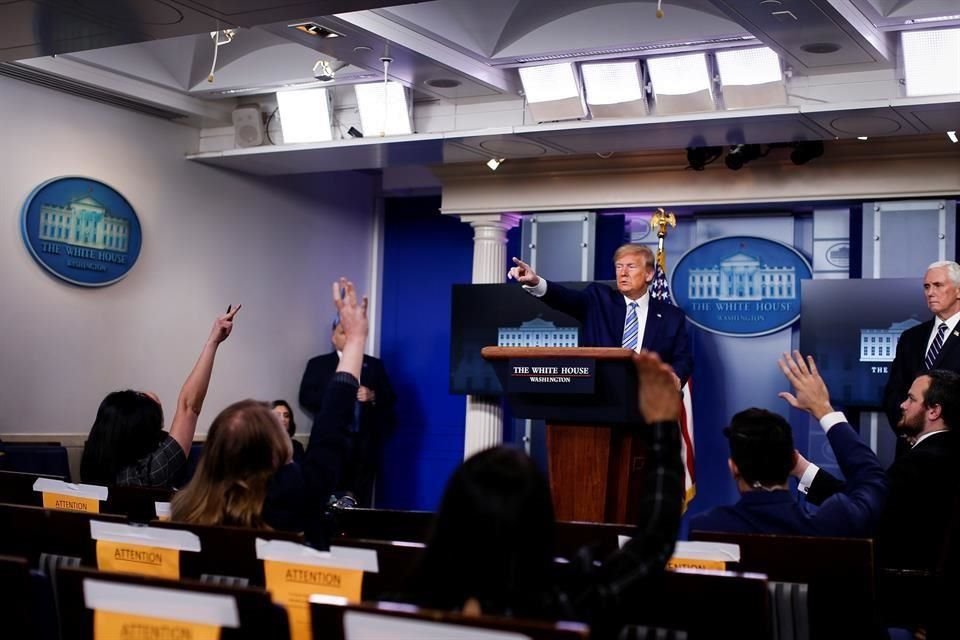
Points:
(492, 546)
(626, 316)
(285, 414)
(762, 456)
(247, 475)
(373, 419)
(127, 445)
(923, 487)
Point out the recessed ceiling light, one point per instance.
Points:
(443, 83)
(821, 47)
(314, 29)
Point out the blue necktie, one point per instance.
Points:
(630, 327)
(935, 347)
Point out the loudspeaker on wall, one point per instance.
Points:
(248, 125)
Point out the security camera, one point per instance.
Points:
(326, 71)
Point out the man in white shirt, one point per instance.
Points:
(922, 481)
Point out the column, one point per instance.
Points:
(484, 420)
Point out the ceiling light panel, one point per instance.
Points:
(305, 115)
(614, 89)
(931, 61)
(550, 82)
(681, 84)
(384, 109)
(553, 92)
(679, 75)
(744, 67)
(612, 82)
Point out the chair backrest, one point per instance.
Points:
(839, 572)
(31, 531)
(414, 526)
(259, 617)
(226, 551)
(36, 457)
(16, 487)
(138, 504)
(708, 605)
(16, 606)
(337, 621)
(699, 603)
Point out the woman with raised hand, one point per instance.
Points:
(247, 476)
(127, 445)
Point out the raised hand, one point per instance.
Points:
(523, 273)
(223, 325)
(353, 314)
(810, 393)
(659, 399)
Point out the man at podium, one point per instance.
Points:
(622, 317)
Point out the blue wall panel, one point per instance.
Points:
(424, 254)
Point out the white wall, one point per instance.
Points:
(210, 238)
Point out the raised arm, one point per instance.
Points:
(194, 390)
(630, 570)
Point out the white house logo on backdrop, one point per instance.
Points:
(880, 345)
(740, 286)
(538, 333)
(81, 231)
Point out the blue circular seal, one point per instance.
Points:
(741, 285)
(81, 231)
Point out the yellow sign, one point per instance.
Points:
(123, 557)
(696, 563)
(291, 585)
(70, 503)
(108, 625)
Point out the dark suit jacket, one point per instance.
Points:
(854, 512)
(376, 419)
(601, 310)
(923, 488)
(908, 364)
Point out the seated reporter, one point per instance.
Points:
(492, 546)
(127, 445)
(247, 476)
(762, 456)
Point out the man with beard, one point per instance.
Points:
(922, 481)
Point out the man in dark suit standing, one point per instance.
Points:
(373, 415)
(931, 345)
(923, 485)
(623, 317)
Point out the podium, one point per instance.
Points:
(588, 398)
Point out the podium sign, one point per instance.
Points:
(551, 375)
(588, 397)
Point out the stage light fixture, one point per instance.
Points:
(494, 163)
(614, 89)
(741, 154)
(952, 135)
(804, 152)
(699, 157)
(384, 108)
(553, 92)
(931, 61)
(305, 115)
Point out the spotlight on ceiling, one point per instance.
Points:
(326, 71)
(952, 135)
(741, 154)
(699, 157)
(804, 152)
(494, 163)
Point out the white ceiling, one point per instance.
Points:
(475, 46)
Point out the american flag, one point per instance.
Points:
(660, 290)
